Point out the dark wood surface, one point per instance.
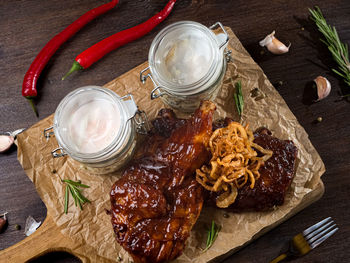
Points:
(26, 26)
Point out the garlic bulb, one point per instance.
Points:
(323, 87)
(274, 45)
(5, 142)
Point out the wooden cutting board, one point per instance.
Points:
(56, 234)
(48, 237)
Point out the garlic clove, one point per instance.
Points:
(267, 40)
(31, 226)
(274, 45)
(6, 142)
(323, 87)
(277, 47)
(3, 222)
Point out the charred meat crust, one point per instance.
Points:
(157, 200)
(275, 176)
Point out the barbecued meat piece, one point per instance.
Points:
(275, 176)
(166, 122)
(157, 201)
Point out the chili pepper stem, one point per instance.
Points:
(31, 102)
(75, 67)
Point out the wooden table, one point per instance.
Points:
(26, 26)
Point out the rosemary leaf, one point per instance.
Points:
(76, 193)
(71, 192)
(212, 235)
(338, 49)
(216, 233)
(66, 196)
(81, 207)
(337, 72)
(208, 239)
(237, 103)
(238, 96)
(75, 183)
(212, 231)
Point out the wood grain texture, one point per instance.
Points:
(46, 239)
(27, 25)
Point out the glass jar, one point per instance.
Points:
(97, 128)
(187, 64)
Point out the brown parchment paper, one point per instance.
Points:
(92, 227)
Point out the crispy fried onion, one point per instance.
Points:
(234, 162)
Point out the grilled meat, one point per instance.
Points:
(157, 201)
(275, 176)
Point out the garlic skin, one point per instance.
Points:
(31, 226)
(274, 45)
(323, 87)
(6, 142)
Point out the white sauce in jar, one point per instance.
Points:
(187, 64)
(91, 125)
(185, 58)
(95, 127)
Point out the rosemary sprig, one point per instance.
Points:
(339, 50)
(238, 96)
(212, 235)
(72, 187)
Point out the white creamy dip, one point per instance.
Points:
(185, 56)
(95, 127)
(91, 126)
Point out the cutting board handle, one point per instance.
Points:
(47, 238)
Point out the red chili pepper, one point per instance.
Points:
(30, 79)
(97, 51)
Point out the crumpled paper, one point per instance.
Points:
(91, 228)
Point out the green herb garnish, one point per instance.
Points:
(66, 197)
(75, 191)
(212, 235)
(339, 50)
(239, 98)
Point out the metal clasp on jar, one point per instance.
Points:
(142, 123)
(212, 27)
(227, 53)
(139, 117)
(155, 93)
(58, 152)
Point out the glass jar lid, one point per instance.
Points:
(183, 56)
(92, 122)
